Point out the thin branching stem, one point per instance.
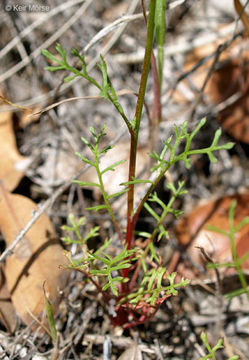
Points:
(137, 120)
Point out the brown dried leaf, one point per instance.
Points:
(7, 311)
(13, 164)
(25, 118)
(132, 353)
(244, 17)
(116, 11)
(36, 258)
(192, 231)
(231, 78)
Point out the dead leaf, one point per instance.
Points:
(36, 258)
(116, 11)
(244, 17)
(132, 353)
(7, 311)
(13, 165)
(230, 79)
(25, 118)
(192, 232)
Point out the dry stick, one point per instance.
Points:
(111, 27)
(171, 50)
(210, 71)
(181, 46)
(14, 28)
(218, 52)
(49, 202)
(119, 93)
(37, 52)
(35, 24)
(242, 14)
(218, 293)
(184, 75)
(36, 215)
(125, 342)
(115, 36)
(42, 98)
(133, 4)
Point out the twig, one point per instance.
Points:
(180, 47)
(35, 24)
(37, 52)
(44, 98)
(111, 27)
(210, 71)
(115, 36)
(218, 293)
(124, 342)
(119, 93)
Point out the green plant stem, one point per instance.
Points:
(146, 66)
(157, 108)
(137, 120)
(160, 36)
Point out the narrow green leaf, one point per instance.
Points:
(96, 208)
(103, 69)
(107, 148)
(120, 267)
(112, 167)
(86, 183)
(113, 288)
(84, 159)
(117, 194)
(143, 234)
(212, 158)
(62, 52)
(228, 145)
(217, 135)
(197, 129)
(92, 131)
(86, 142)
(102, 272)
(50, 56)
(70, 78)
(137, 181)
(54, 68)
(151, 211)
(235, 293)
(218, 230)
(50, 315)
